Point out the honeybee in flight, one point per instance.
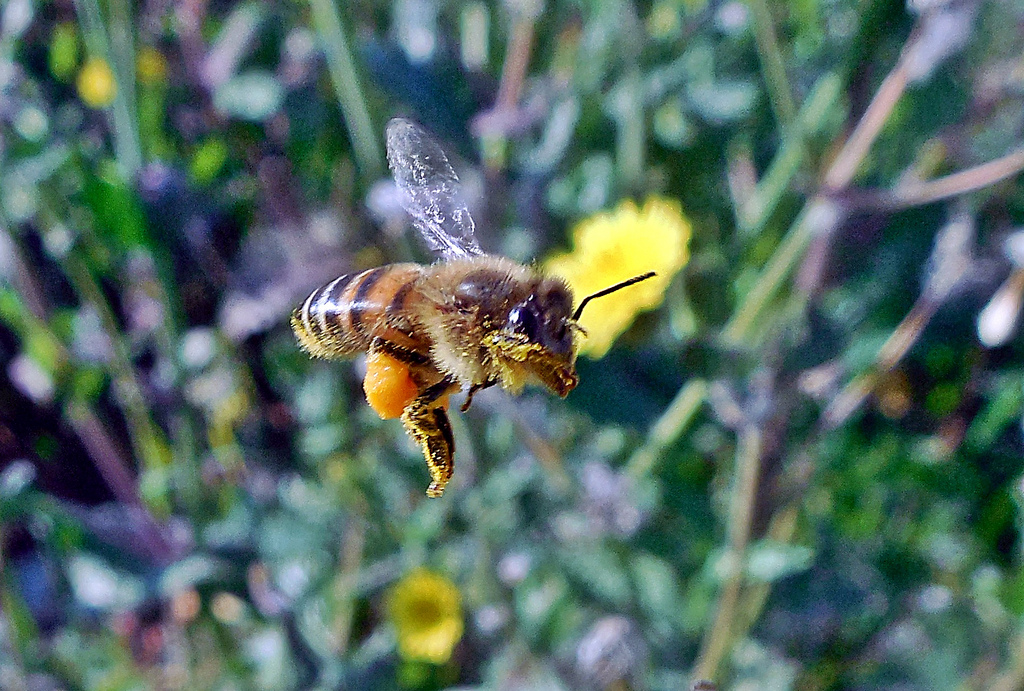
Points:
(471, 320)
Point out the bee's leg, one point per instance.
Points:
(428, 424)
(400, 353)
(473, 389)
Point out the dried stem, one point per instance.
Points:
(113, 466)
(517, 61)
(147, 440)
(919, 193)
(895, 348)
(836, 179)
(820, 215)
(845, 165)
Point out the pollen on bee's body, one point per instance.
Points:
(388, 385)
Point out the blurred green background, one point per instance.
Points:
(802, 471)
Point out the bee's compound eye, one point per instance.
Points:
(521, 319)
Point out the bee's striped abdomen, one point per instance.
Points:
(343, 317)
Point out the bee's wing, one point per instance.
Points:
(430, 189)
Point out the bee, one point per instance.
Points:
(471, 320)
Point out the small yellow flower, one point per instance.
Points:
(150, 65)
(426, 610)
(96, 84)
(613, 246)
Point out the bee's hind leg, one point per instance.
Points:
(427, 423)
(472, 391)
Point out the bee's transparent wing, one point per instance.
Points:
(430, 189)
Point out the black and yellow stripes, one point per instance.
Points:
(343, 318)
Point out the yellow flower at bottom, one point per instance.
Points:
(96, 84)
(613, 246)
(426, 611)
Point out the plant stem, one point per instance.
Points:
(970, 180)
(845, 165)
(791, 158)
(772, 64)
(839, 175)
(147, 441)
(741, 514)
(818, 215)
(517, 60)
(669, 427)
(353, 106)
(124, 126)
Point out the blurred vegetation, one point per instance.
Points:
(804, 470)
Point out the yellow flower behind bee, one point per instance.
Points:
(613, 246)
(426, 611)
(97, 86)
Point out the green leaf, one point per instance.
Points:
(656, 585)
(116, 208)
(64, 49)
(208, 160)
(1002, 409)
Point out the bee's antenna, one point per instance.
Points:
(610, 289)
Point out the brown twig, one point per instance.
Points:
(919, 193)
(517, 60)
(899, 343)
(845, 164)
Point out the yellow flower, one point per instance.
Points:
(426, 610)
(615, 245)
(96, 84)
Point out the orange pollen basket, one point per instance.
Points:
(389, 386)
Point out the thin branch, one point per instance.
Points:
(112, 464)
(817, 108)
(919, 193)
(895, 348)
(780, 93)
(517, 60)
(838, 176)
(845, 165)
(820, 215)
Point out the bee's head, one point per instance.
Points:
(538, 336)
(545, 318)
